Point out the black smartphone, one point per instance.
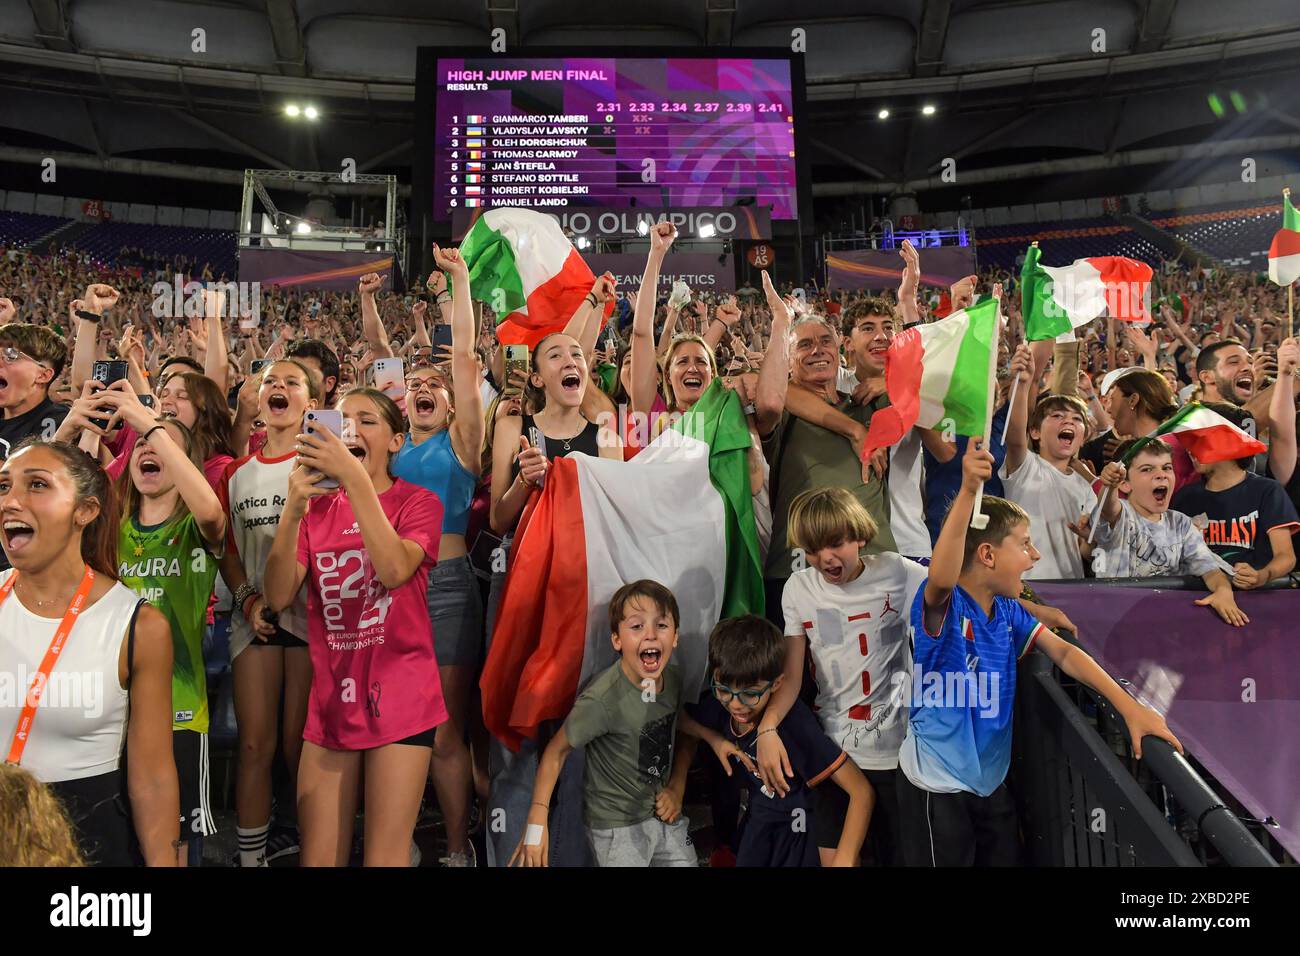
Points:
(108, 372)
(257, 365)
(441, 338)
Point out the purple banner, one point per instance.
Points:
(323, 270)
(1232, 695)
(702, 271)
(880, 268)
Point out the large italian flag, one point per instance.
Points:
(679, 513)
(1058, 299)
(1284, 253)
(524, 267)
(937, 376)
(1205, 434)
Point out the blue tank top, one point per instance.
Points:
(433, 465)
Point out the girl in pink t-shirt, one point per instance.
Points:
(364, 551)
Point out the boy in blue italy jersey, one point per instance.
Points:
(969, 633)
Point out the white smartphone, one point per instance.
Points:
(328, 420)
(390, 378)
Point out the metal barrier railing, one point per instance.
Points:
(1086, 801)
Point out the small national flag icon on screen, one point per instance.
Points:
(473, 202)
(475, 154)
(473, 179)
(473, 190)
(474, 167)
(473, 118)
(472, 143)
(474, 131)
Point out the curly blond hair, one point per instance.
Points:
(34, 829)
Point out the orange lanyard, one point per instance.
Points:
(23, 730)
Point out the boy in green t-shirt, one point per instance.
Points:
(626, 718)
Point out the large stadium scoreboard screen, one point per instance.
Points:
(554, 133)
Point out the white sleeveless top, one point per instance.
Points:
(80, 724)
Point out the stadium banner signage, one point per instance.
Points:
(1228, 693)
(595, 222)
(860, 269)
(321, 270)
(702, 271)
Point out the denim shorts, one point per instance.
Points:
(456, 610)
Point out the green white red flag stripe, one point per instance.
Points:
(1284, 252)
(1205, 434)
(936, 376)
(1057, 299)
(679, 513)
(526, 270)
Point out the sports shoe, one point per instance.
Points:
(282, 841)
(468, 858)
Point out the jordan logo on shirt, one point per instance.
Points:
(888, 608)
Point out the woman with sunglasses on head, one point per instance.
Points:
(172, 535)
(63, 612)
(443, 454)
(268, 651)
(363, 543)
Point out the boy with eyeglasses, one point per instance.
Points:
(746, 663)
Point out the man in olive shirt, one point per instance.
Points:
(804, 455)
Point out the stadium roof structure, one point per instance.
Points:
(1010, 80)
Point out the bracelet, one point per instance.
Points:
(591, 297)
(542, 805)
(146, 435)
(716, 319)
(88, 316)
(442, 296)
(243, 607)
(770, 730)
(242, 593)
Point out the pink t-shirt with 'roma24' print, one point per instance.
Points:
(374, 675)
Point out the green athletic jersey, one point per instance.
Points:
(170, 567)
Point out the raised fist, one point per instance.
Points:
(370, 283)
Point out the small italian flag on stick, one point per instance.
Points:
(1206, 435)
(1284, 253)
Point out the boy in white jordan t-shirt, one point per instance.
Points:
(848, 615)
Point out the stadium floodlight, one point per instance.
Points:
(707, 231)
(292, 110)
(883, 114)
(927, 109)
(303, 227)
(583, 242)
(311, 113)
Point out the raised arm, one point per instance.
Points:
(1017, 443)
(908, 284)
(97, 299)
(372, 326)
(216, 363)
(645, 367)
(949, 550)
(774, 376)
(1281, 414)
(467, 428)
